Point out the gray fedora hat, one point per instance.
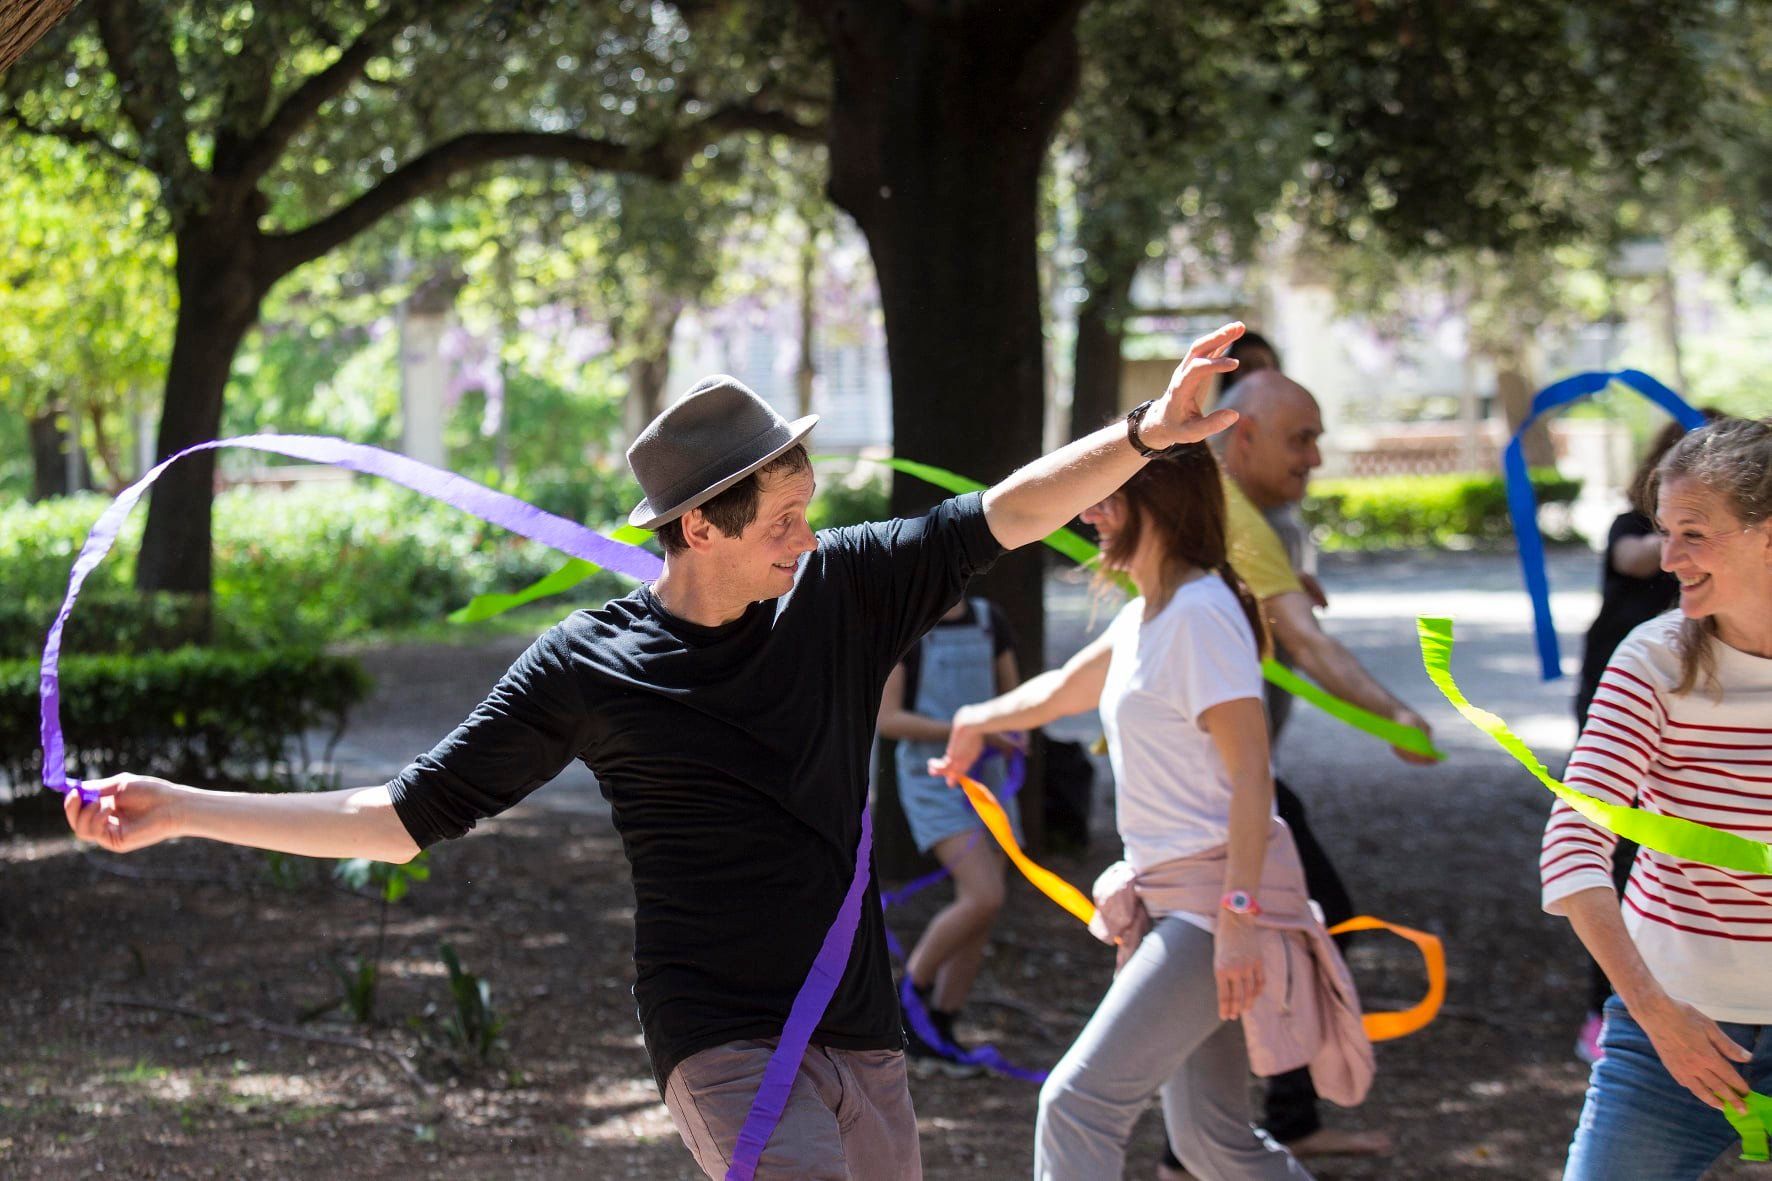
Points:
(708, 440)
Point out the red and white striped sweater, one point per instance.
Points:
(1705, 933)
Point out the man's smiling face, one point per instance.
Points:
(760, 563)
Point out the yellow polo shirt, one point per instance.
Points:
(1255, 549)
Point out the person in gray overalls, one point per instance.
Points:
(968, 656)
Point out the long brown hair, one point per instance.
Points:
(1732, 457)
(1180, 497)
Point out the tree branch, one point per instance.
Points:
(429, 171)
(299, 107)
(433, 168)
(156, 113)
(734, 118)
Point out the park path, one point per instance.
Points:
(422, 691)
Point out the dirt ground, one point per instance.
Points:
(113, 970)
(540, 905)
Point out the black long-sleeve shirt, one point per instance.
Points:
(735, 761)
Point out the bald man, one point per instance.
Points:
(1268, 458)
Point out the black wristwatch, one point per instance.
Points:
(1133, 418)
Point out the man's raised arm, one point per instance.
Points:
(1044, 495)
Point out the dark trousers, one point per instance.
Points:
(1291, 1103)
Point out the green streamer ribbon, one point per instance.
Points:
(1403, 737)
(1674, 835)
(1067, 542)
(1072, 545)
(483, 607)
(1752, 1125)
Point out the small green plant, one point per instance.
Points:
(474, 1026)
(359, 975)
(390, 882)
(285, 871)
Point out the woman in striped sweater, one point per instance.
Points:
(1682, 726)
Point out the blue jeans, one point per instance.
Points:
(1638, 1124)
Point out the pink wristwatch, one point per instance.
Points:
(1240, 902)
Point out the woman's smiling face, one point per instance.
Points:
(1724, 564)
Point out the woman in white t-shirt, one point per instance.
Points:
(1177, 677)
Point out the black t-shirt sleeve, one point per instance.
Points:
(530, 726)
(906, 573)
(1631, 524)
(1002, 635)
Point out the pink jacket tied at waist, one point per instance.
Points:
(1308, 1012)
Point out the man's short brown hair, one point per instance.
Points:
(732, 511)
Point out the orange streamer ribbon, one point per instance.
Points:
(1379, 1026)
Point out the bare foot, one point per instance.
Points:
(1342, 1142)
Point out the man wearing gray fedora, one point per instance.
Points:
(727, 710)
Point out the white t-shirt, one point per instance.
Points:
(1172, 794)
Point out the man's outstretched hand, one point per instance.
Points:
(131, 812)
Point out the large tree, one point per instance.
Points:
(939, 124)
(84, 305)
(276, 133)
(1397, 130)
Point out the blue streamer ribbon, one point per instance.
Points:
(1522, 502)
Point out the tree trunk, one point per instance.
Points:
(1513, 389)
(52, 443)
(1101, 327)
(806, 373)
(938, 131)
(648, 373)
(218, 303)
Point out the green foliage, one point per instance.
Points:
(316, 565)
(1193, 122)
(1397, 512)
(309, 566)
(389, 881)
(192, 714)
(86, 299)
(474, 1025)
(1531, 92)
(106, 621)
(357, 976)
(39, 542)
(861, 496)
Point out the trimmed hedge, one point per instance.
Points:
(1403, 512)
(104, 621)
(303, 567)
(193, 714)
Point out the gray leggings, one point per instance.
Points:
(1157, 1032)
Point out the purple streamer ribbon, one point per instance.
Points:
(558, 533)
(497, 507)
(987, 1056)
(803, 1016)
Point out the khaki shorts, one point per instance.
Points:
(848, 1117)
